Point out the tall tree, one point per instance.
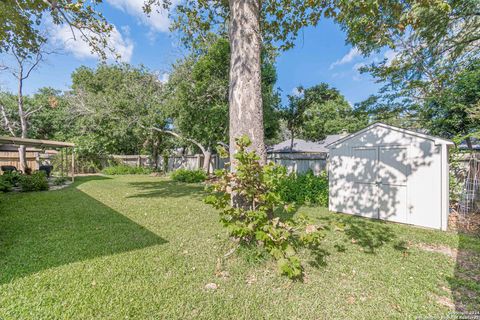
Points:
(451, 112)
(107, 102)
(294, 114)
(440, 40)
(329, 114)
(197, 97)
(320, 110)
(21, 70)
(368, 24)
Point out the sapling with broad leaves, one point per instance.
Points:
(260, 220)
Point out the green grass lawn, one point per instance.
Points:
(144, 248)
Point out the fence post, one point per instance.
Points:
(199, 162)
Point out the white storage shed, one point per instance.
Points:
(389, 173)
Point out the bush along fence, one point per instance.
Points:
(460, 167)
(195, 162)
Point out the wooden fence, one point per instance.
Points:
(194, 162)
(10, 158)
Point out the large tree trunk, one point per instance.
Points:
(22, 155)
(22, 158)
(245, 94)
(207, 156)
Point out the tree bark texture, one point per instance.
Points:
(22, 154)
(245, 92)
(207, 156)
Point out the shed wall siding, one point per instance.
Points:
(421, 166)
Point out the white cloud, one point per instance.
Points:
(158, 19)
(163, 77)
(349, 57)
(62, 36)
(296, 92)
(390, 55)
(359, 65)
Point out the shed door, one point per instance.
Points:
(392, 183)
(364, 176)
(380, 183)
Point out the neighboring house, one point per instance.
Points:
(475, 145)
(304, 156)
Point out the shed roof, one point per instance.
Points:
(436, 140)
(35, 142)
(304, 146)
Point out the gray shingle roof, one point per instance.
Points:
(475, 144)
(303, 146)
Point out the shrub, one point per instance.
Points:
(58, 181)
(257, 216)
(189, 176)
(12, 177)
(5, 185)
(37, 181)
(305, 188)
(123, 169)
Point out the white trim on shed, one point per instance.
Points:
(390, 173)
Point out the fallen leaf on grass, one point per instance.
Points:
(211, 286)
(251, 279)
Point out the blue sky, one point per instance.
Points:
(320, 54)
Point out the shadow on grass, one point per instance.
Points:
(166, 188)
(368, 234)
(465, 283)
(43, 230)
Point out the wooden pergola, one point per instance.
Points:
(44, 144)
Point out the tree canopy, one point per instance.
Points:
(197, 95)
(453, 112)
(441, 41)
(24, 24)
(318, 111)
(107, 103)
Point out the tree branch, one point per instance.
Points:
(30, 112)
(38, 58)
(6, 121)
(198, 144)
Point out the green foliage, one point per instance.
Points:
(5, 184)
(23, 24)
(37, 181)
(59, 181)
(107, 102)
(318, 111)
(124, 169)
(257, 210)
(140, 230)
(12, 177)
(423, 75)
(189, 176)
(304, 189)
(197, 94)
(450, 112)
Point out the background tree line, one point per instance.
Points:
(432, 81)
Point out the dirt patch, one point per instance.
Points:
(62, 186)
(451, 252)
(463, 289)
(445, 301)
(469, 224)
